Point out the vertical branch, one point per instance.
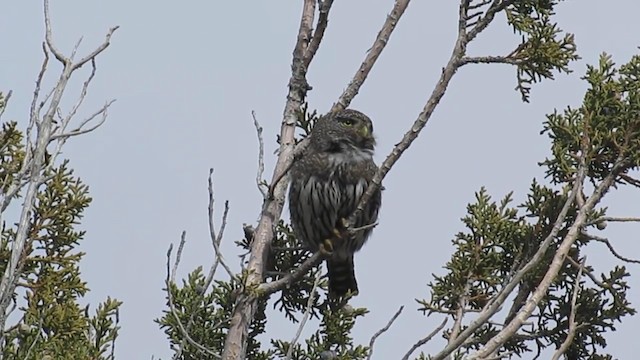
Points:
(572, 315)
(246, 306)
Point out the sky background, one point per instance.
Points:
(186, 76)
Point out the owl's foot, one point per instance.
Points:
(326, 247)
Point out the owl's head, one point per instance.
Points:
(344, 130)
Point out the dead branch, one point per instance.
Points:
(610, 247)
(372, 56)
(614, 219)
(305, 318)
(260, 183)
(244, 311)
(489, 60)
(382, 331)
(572, 316)
(448, 71)
(170, 279)
(5, 101)
(318, 34)
(31, 175)
(216, 239)
(425, 340)
(280, 284)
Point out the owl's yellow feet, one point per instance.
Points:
(326, 247)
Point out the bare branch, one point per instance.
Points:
(98, 50)
(382, 331)
(260, 183)
(572, 316)
(280, 284)
(170, 279)
(246, 306)
(489, 60)
(425, 340)
(438, 92)
(611, 248)
(80, 130)
(372, 56)
(49, 36)
(615, 219)
(5, 101)
(171, 275)
(305, 318)
(216, 239)
(31, 174)
(318, 34)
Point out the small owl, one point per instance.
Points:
(326, 186)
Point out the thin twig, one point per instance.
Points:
(382, 331)
(572, 316)
(615, 219)
(260, 183)
(611, 248)
(217, 238)
(489, 60)
(305, 318)
(5, 101)
(355, 230)
(424, 340)
(170, 279)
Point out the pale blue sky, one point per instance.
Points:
(186, 76)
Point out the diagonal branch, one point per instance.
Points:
(382, 331)
(438, 92)
(305, 318)
(280, 284)
(372, 56)
(425, 340)
(557, 262)
(573, 327)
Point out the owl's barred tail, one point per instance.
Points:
(342, 277)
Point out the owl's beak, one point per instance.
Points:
(364, 132)
(368, 140)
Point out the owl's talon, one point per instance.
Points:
(326, 247)
(337, 234)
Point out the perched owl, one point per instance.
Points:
(326, 186)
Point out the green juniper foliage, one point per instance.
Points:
(604, 134)
(49, 321)
(544, 47)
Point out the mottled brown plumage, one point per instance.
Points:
(326, 186)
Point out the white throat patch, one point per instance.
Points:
(353, 155)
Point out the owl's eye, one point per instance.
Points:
(347, 121)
